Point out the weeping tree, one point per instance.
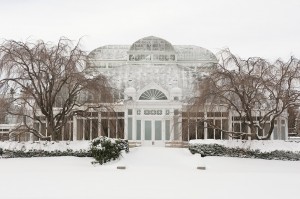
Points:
(4, 104)
(256, 91)
(48, 82)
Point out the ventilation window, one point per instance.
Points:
(153, 94)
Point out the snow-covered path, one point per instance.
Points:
(151, 173)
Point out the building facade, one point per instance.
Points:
(154, 80)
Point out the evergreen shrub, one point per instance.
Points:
(220, 150)
(105, 149)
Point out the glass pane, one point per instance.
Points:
(148, 130)
(185, 126)
(138, 129)
(275, 132)
(267, 128)
(282, 132)
(225, 127)
(167, 129)
(176, 128)
(210, 129)
(120, 126)
(112, 128)
(79, 129)
(94, 128)
(218, 131)
(192, 129)
(200, 129)
(158, 130)
(104, 124)
(129, 128)
(87, 126)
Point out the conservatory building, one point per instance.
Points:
(155, 80)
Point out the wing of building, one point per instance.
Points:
(154, 80)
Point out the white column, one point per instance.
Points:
(74, 127)
(230, 123)
(117, 127)
(179, 126)
(163, 133)
(153, 130)
(63, 132)
(205, 125)
(142, 129)
(99, 124)
(286, 129)
(125, 124)
(172, 136)
(83, 131)
(133, 124)
(31, 137)
(91, 130)
(108, 127)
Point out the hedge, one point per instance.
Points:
(220, 150)
(103, 149)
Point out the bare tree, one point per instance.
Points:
(49, 82)
(256, 91)
(3, 109)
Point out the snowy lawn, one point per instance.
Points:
(151, 172)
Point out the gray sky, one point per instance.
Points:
(265, 28)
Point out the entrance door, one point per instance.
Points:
(153, 133)
(148, 130)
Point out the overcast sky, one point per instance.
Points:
(265, 28)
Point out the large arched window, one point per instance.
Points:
(153, 94)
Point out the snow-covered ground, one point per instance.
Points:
(151, 172)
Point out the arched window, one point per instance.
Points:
(153, 94)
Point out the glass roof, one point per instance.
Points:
(152, 43)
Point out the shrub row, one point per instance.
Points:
(42, 153)
(220, 150)
(103, 149)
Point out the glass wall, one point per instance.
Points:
(138, 129)
(148, 130)
(158, 129)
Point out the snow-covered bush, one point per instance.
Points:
(43, 153)
(219, 150)
(106, 149)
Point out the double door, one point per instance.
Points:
(153, 132)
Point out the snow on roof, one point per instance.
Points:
(152, 44)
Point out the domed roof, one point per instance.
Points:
(151, 43)
(190, 52)
(109, 52)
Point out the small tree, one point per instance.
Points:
(49, 81)
(257, 91)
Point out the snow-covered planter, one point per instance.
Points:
(105, 149)
(220, 150)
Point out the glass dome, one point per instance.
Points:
(152, 48)
(152, 43)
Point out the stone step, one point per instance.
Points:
(134, 144)
(176, 144)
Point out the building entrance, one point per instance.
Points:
(153, 133)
